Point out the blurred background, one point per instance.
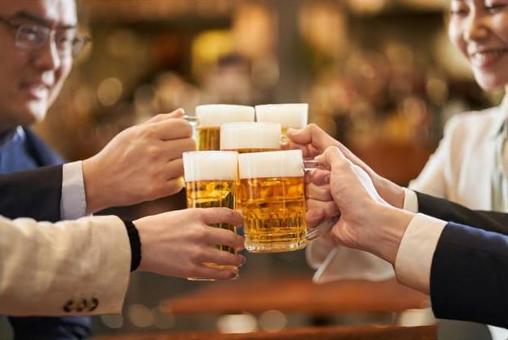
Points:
(380, 75)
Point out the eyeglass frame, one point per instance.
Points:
(76, 45)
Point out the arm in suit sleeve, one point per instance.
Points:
(35, 194)
(449, 211)
(66, 268)
(465, 269)
(469, 275)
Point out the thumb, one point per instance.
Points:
(300, 136)
(331, 157)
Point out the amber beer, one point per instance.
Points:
(271, 197)
(211, 117)
(250, 137)
(210, 181)
(288, 115)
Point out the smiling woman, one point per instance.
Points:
(470, 166)
(480, 30)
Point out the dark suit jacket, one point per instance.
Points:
(469, 272)
(36, 194)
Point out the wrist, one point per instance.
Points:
(392, 193)
(94, 190)
(391, 224)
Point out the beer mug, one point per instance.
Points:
(271, 197)
(288, 115)
(211, 117)
(250, 137)
(210, 181)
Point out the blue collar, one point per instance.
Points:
(12, 136)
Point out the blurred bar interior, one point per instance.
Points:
(380, 75)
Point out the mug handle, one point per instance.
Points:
(324, 226)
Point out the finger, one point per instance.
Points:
(319, 177)
(203, 272)
(224, 237)
(311, 135)
(173, 128)
(329, 209)
(173, 169)
(178, 113)
(331, 157)
(220, 257)
(169, 187)
(176, 147)
(221, 215)
(314, 217)
(318, 193)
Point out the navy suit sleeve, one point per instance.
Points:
(469, 276)
(35, 194)
(449, 211)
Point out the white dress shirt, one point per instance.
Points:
(73, 201)
(417, 247)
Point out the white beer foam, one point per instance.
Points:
(288, 163)
(235, 136)
(288, 115)
(218, 114)
(210, 165)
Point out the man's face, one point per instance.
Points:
(31, 78)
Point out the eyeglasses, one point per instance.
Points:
(33, 36)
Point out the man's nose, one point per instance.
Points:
(47, 57)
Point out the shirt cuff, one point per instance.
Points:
(73, 202)
(417, 247)
(410, 201)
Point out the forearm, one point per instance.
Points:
(469, 275)
(73, 201)
(35, 194)
(39, 278)
(388, 227)
(449, 211)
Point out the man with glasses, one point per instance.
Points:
(39, 40)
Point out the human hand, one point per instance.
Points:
(141, 163)
(366, 221)
(322, 211)
(313, 141)
(178, 243)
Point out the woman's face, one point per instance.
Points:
(479, 28)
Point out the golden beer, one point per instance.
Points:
(252, 150)
(210, 181)
(250, 137)
(211, 117)
(213, 194)
(271, 196)
(208, 138)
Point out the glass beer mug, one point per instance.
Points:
(250, 137)
(210, 118)
(287, 115)
(210, 181)
(271, 197)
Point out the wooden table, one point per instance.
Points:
(297, 295)
(315, 333)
